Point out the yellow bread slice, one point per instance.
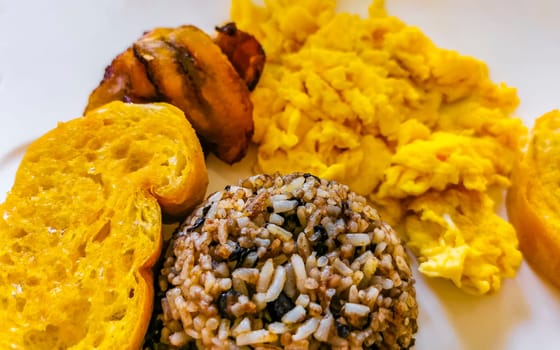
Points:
(81, 227)
(533, 201)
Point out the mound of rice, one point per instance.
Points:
(292, 262)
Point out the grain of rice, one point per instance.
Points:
(242, 221)
(276, 219)
(380, 248)
(353, 294)
(315, 309)
(277, 284)
(322, 261)
(282, 206)
(299, 272)
(295, 184)
(356, 239)
(297, 314)
(255, 337)
(178, 338)
(301, 215)
(243, 327)
(303, 300)
(249, 275)
(342, 268)
(306, 329)
(192, 333)
(310, 284)
(344, 284)
(279, 232)
(265, 276)
(279, 327)
(324, 329)
(262, 242)
(387, 284)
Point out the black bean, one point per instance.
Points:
(371, 247)
(336, 306)
(280, 306)
(206, 209)
(239, 254)
(320, 245)
(342, 330)
(291, 222)
(322, 232)
(320, 248)
(345, 206)
(225, 301)
(306, 175)
(197, 223)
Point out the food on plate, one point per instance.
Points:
(291, 262)
(458, 241)
(373, 103)
(533, 200)
(243, 51)
(81, 226)
(184, 67)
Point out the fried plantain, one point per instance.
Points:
(125, 80)
(243, 51)
(184, 67)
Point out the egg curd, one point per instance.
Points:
(373, 103)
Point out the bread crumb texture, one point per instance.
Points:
(373, 103)
(80, 229)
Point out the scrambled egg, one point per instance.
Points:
(373, 103)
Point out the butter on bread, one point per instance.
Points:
(81, 228)
(533, 201)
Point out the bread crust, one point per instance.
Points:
(81, 228)
(537, 225)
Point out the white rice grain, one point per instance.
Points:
(279, 328)
(351, 309)
(303, 300)
(306, 329)
(276, 219)
(356, 239)
(277, 284)
(341, 267)
(248, 275)
(282, 206)
(265, 276)
(297, 314)
(279, 232)
(178, 339)
(243, 327)
(255, 337)
(324, 329)
(299, 272)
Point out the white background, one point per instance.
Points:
(53, 53)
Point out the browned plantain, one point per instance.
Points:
(243, 51)
(191, 72)
(125, 80)
(184, 67)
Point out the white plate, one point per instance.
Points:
(52, 53)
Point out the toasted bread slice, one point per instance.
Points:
(81, 227)
(533, 201)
